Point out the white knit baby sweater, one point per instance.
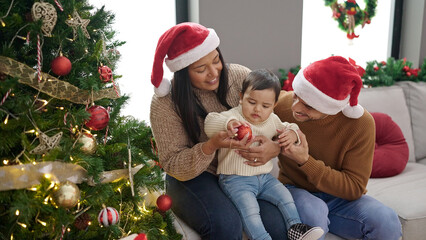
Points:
(229, 161)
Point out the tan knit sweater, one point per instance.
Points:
(178, 155)
(230, 162)
(341, 153)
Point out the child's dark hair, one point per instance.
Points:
(261, 79)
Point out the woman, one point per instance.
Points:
(202, 83)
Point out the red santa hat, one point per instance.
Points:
(184, 44)
(330, 85)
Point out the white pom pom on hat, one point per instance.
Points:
(184, 44)
(330, 85)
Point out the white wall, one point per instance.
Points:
(257, 34)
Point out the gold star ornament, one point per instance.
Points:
(47, 143)
(77, 21)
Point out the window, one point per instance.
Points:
(321, 36)
(140, 24)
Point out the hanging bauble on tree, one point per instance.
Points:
(141, 236)
(99, 118)
(88, 141)
(349, 15)
(164, 202)
(82, 222)
(105, 73)
(108, 216)
(61, 66)
(66, 195)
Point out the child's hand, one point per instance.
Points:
(233, 125)
(286, 138)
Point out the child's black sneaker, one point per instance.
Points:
(300, 231)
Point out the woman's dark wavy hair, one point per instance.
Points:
(189, 106)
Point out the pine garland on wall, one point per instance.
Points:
(376, 73)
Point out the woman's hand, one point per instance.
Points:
(259, 155)
(224, 139)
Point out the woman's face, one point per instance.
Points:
(205, 73)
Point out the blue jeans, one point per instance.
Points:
(244, 191)
(205, 208)
(364, 218)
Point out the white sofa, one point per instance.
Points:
(405, 103)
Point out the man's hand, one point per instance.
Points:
(259, 155)
(298, 153)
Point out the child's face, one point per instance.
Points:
(257, 105)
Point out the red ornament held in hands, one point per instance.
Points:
(99, 118)
(105, 73)
(164, 202)
(242, 131)
(61, 66)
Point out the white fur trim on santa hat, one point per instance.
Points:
(185, 59)
(354, 111)
(163, 89)
(315, 98)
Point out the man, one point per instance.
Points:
(328, 172)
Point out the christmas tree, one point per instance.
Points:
(71, 166)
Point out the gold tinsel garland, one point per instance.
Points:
(52, 86)
(28, 175)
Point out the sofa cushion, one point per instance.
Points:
(415, 96)
(406, 194)
(390, 100)
(391, 151)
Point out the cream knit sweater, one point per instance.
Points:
(178, 155)
(230, 163)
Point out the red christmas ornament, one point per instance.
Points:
(141, 236)
(99, 118)
(406, 68)
(164, 202)
(383, 63)
(376, 68)
(242, 131)
(287, 84)
(108, 216)
(61, 66)
(415, 72)
(105, 73)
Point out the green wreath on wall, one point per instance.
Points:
(349, 15)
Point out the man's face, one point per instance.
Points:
(302, 112)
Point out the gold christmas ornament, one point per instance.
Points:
(89, 143)
(66, 195)
(46, 143)
(47, 13)
(75, 22)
